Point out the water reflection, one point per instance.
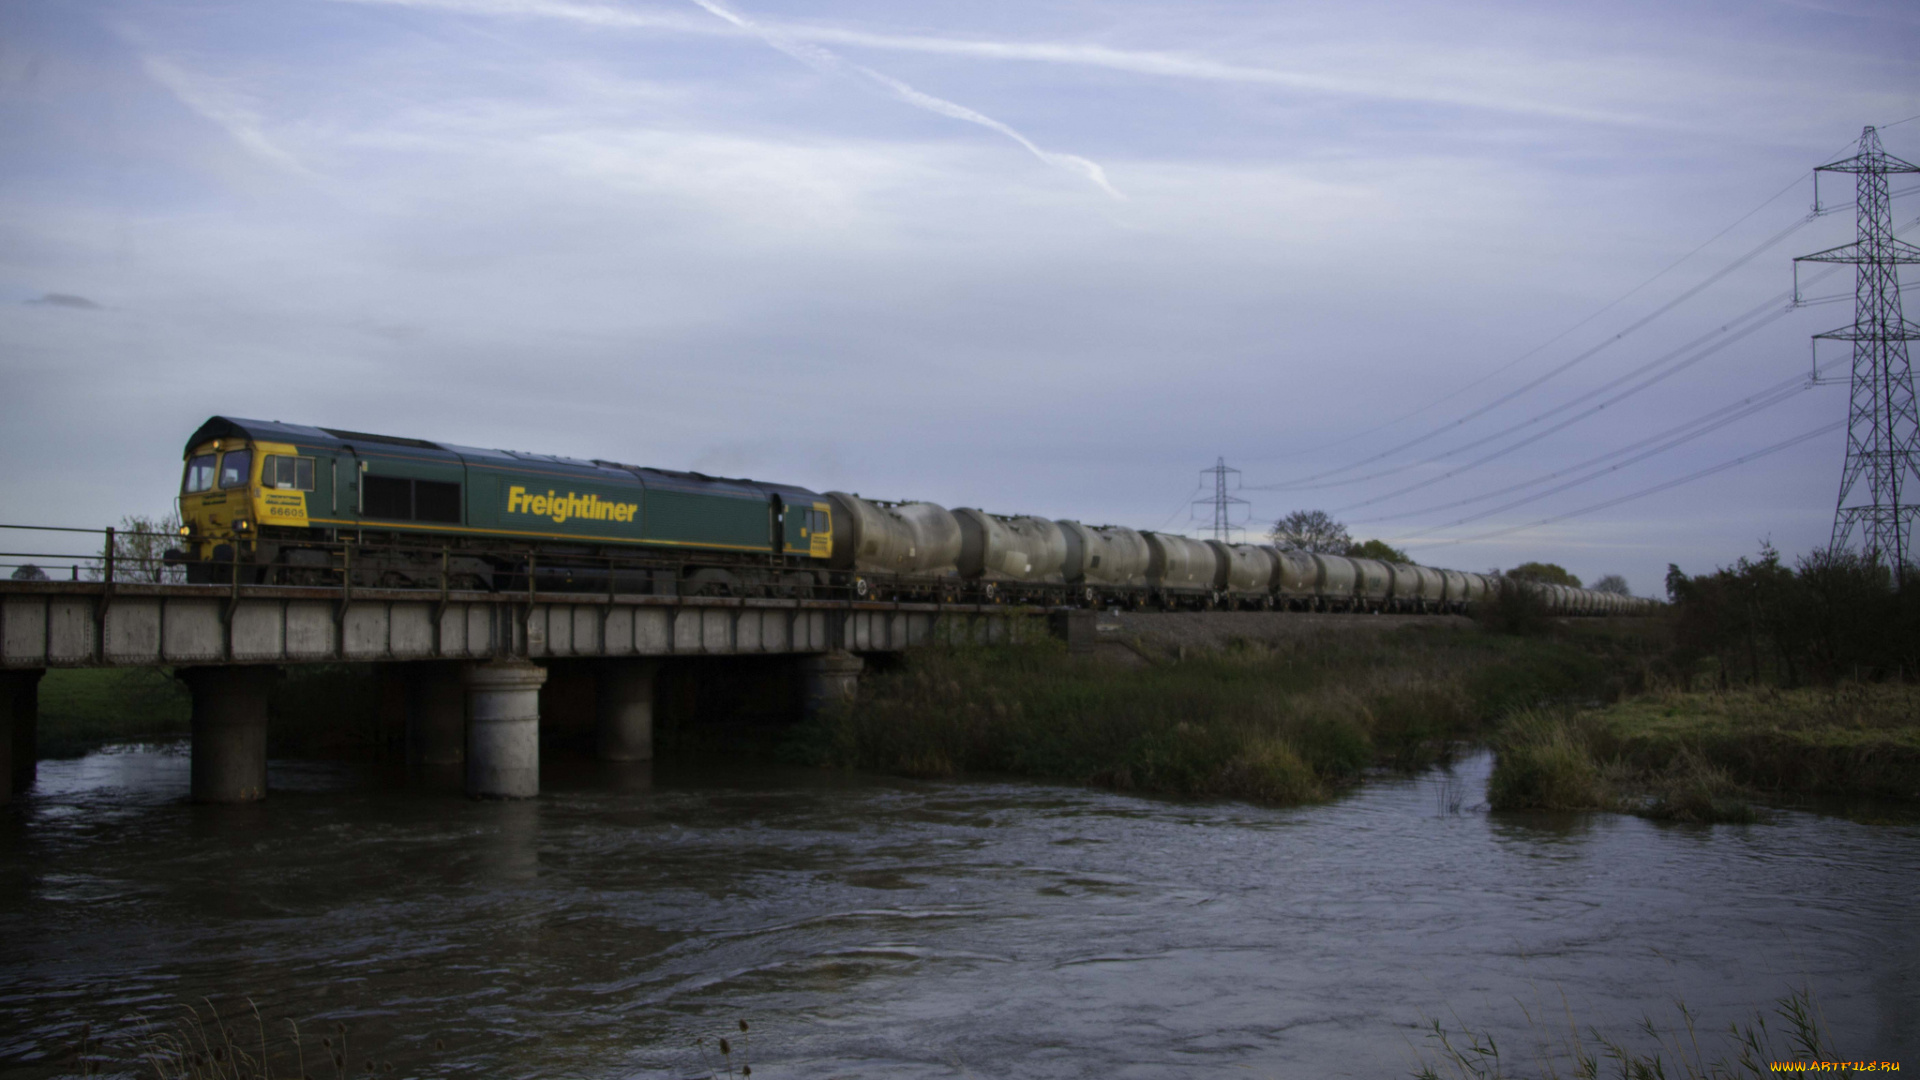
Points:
(870, 926)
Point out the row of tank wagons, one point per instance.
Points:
(915, 549)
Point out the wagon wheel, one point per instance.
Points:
(1090, 596)
(861, 588)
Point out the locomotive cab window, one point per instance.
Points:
(286, 473)
(199, 474)
(236, 468)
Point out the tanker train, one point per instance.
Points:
(273, 503)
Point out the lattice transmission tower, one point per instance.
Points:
(1883, 431)
(1223, 502)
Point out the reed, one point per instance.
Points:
(1791, 1031)
(1704, 757)
(200, 1043)
(1283, 722)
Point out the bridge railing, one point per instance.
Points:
(112, 555)
(132, 556)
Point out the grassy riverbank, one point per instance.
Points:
(80, 708)
(1286, 720)
(1704, 756)
(332, 710)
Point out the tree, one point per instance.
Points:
(1545, 573)
(1613, 583)
(1377, 549)
(139, 548)
(1311, 531)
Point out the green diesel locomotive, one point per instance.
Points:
(275, 503)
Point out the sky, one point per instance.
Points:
(1035, 257)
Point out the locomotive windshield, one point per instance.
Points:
(199, 474)
(236, 467)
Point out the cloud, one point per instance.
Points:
(1534, 95)
(825, 60)
(66, 300)
(215, 104)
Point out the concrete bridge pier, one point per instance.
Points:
(503, 729)
(19, 729)
(436, 713)
(829, 679)
(623, 721)
(229, 732)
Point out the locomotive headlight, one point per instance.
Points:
(186, 530)
(242, 524)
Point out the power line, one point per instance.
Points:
(1602, 310)
(1185, 503)
(1683, 362)
(1577, 360)
(1656, 489)
(1673, 367)
(1817, 212)
(1692, 429)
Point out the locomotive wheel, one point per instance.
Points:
(861, 588)
(1092, 598)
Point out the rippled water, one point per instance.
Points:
(873, 927)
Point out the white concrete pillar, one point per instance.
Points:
(503, 729)
(229, 732)
(624, 720)
(436, 713)
(829, 679)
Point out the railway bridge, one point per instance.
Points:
(473, 662)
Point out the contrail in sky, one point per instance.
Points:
(824, 59)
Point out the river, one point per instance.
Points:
(872, 927)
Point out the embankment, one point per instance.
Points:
(1704, 756)
(1274, 708)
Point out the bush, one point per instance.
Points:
(1286, 723)
(1543, 764)
(1838, 615)
(1514, 606)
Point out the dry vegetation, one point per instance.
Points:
(1701, 756)
(1286, 720)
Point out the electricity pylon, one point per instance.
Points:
(1883, 431)
(1222, 502)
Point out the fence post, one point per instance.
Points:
(108, 560)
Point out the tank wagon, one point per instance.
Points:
(270, 502)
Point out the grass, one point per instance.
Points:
(1791, 1031)
(80, 708)
(1288, 722)
(1546, 763)
(1704, 757)
(201, 1044)
(334, 710)
(1851, 739)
